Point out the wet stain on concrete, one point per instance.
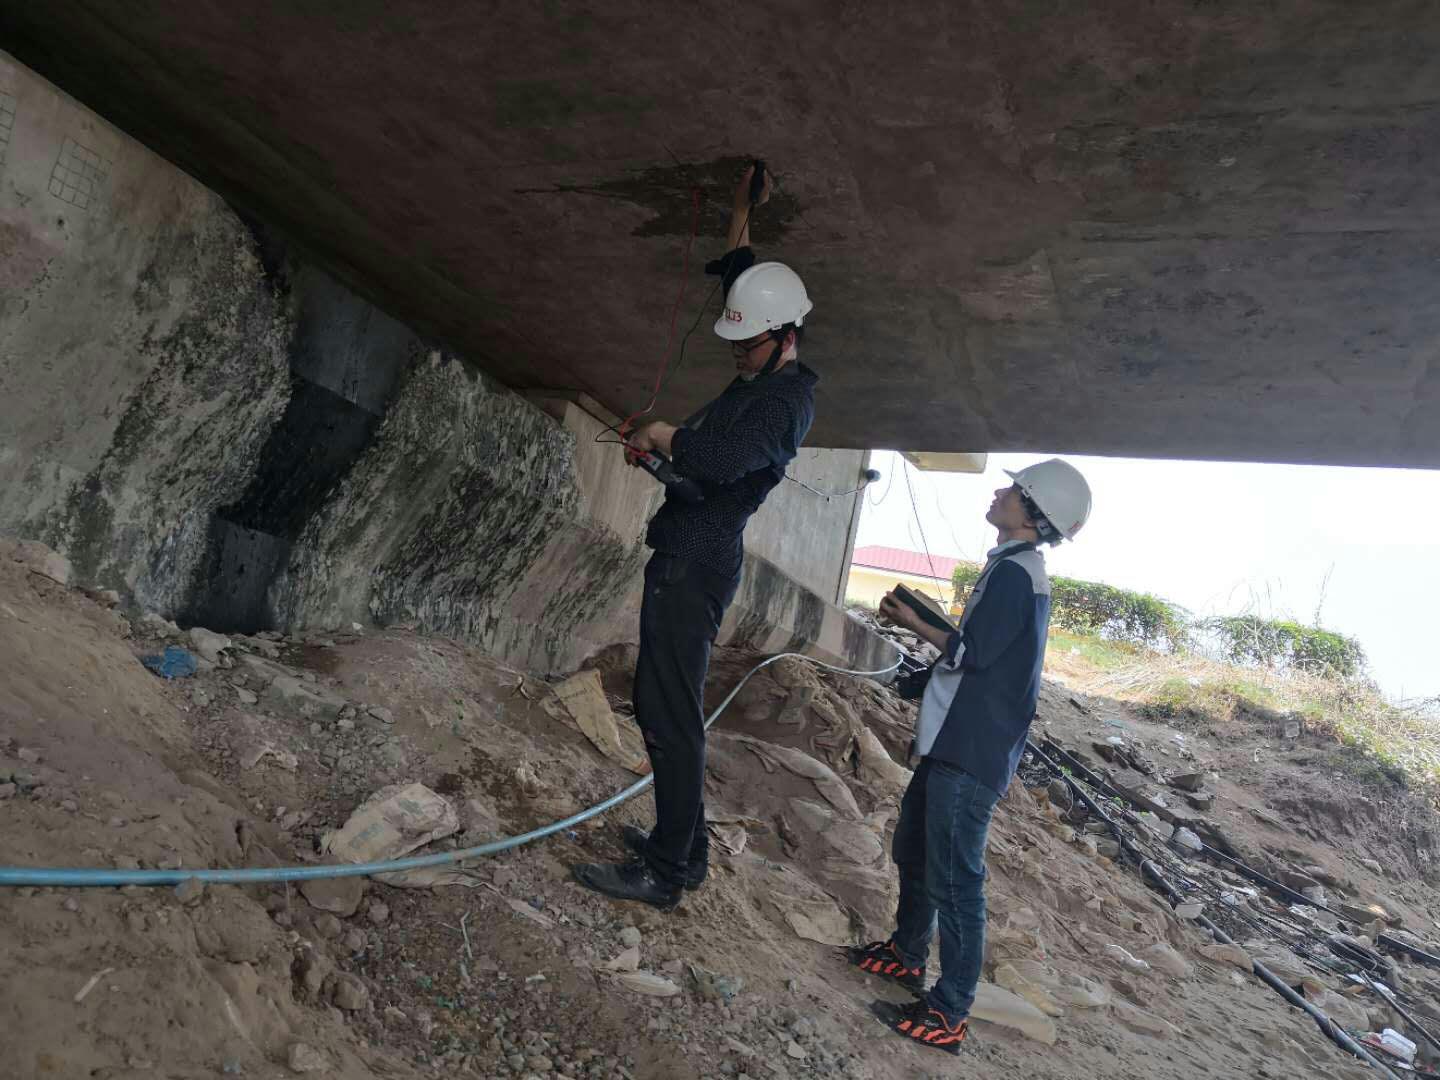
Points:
(666, 191)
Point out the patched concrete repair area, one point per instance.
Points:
(318, 547)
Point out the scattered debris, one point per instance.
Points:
(816, 920)
(583, 699)
(190, 891)
(208, 644)
(1233, 955)
(835, 791)
(173, 663)
(1191, 782)
(90, 984)
(643, 982)
(1125, 959)
(714, 987)
(519, 907)
(629, 960)
(1186, 840)
(338, 895)
(304, 1058)
(1000, 1006)
(393, 822)
(40, 559)
(349, 993)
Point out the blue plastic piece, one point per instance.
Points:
(176, 663)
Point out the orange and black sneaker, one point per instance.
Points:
(883, 959)
(921, 1024)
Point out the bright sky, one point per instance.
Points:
(1220, 538)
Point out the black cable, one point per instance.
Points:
(827, 495)
(915, 509)
(669, 374)
(886, 493)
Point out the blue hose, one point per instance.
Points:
(54, 875)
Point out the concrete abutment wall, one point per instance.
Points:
(199, 417)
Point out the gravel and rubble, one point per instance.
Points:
(506, 968)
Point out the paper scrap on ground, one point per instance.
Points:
(395, 820)
(998, 1006)
(629, 960)
(876, 762)
(525, 910)
(642, 982)
(431, 877)
(585, 702)
(816, 920)
(800, 763)
(730, 839)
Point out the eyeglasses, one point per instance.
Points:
(740, 349)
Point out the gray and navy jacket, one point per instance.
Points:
(981, 694)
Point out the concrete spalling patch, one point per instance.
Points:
(666, 191)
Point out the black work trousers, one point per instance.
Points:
(679, 618)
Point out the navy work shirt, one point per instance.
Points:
(737, 452)
(982, 692)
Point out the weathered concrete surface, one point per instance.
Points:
(1149, 227)
(142, 353)
(463, 518)
(808, 535)
(774, 613)
(203, 420)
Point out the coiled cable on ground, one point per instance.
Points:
(64, 876)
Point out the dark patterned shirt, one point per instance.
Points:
(737, 453)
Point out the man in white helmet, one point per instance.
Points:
(977, 703)
(736, 449)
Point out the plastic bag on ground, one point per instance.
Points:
(395, 820)
(174, 663)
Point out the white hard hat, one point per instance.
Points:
(766, 296)
(1060, 492)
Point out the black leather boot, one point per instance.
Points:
(628, 881)
(636, 839)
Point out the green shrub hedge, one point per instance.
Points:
(1284, 645)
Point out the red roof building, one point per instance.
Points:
(898, 560)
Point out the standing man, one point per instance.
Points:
(736, 449)
(975, 713)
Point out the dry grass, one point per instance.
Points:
(1380, 740)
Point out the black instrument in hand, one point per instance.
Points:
(926, 608)
(658, 466)
(757, 181)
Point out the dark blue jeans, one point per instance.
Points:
(940, 850)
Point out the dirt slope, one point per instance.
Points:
(504, 975)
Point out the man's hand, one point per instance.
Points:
(741, 210)
(896, 611)
(655, 435)
(742, 190)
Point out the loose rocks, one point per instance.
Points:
(339, 896)
(349, 993)
(304, 1058)
(190, 891)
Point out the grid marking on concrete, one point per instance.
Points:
(7, 121)
(77, 175)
